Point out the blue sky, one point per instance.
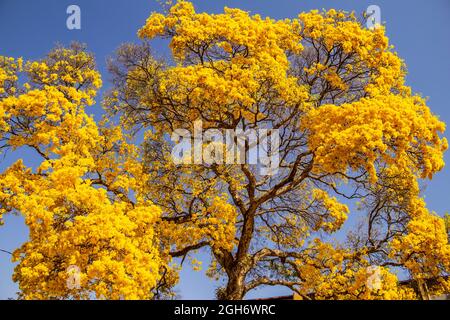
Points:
(419, 30)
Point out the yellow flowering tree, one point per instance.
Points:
(91, 231)
(107, 214)
(352, 134)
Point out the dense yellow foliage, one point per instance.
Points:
(387, 128)
(76, 202)
(347, 276)
(246, 54)
(120, 211)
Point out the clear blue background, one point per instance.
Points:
(420, 31)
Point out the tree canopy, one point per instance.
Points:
(108, 198)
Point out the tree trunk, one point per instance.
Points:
(423, 289)
(238, 267)
(235, 287)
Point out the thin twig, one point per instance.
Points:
(5, 251)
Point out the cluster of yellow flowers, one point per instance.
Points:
(68, 70)
(76, 203)
(236, 56)
(216, 225)
(370, 48)
(335, 212)
(264, 38)
(73, 223)
(424, 250)
(334, 273)
(388, 128)
(8, 74)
